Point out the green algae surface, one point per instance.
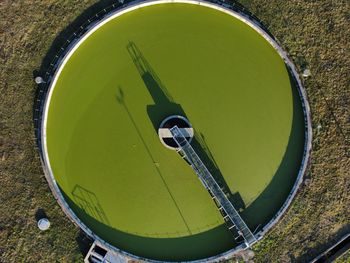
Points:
(105, 153)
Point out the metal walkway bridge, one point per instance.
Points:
(225, 206)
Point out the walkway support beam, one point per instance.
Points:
(210, 183)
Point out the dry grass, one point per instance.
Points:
(344, 258)
(315, 33)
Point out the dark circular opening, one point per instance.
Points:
(170, 122)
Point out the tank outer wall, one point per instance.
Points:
(45, 90)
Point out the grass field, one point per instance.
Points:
(314, 33)
(106, 154)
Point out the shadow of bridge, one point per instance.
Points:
(164, 106)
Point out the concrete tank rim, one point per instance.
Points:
(240, 15)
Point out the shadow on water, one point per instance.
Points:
(271, 199)
(86, 206)
(274, 195)
(85, 202)
(200, 146)
(171, 249)
(88, 202)
(121, 100)
(164, 106)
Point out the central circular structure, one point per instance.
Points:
(165, 135)
(111, 93)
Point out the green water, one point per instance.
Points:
(105, 153)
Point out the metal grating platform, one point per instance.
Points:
(210, 183)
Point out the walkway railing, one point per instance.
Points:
(210, 183)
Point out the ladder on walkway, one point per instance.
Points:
(186, 150)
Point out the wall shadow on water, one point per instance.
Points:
(171, 249)
(262, 210)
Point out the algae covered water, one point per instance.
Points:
(145, 65)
